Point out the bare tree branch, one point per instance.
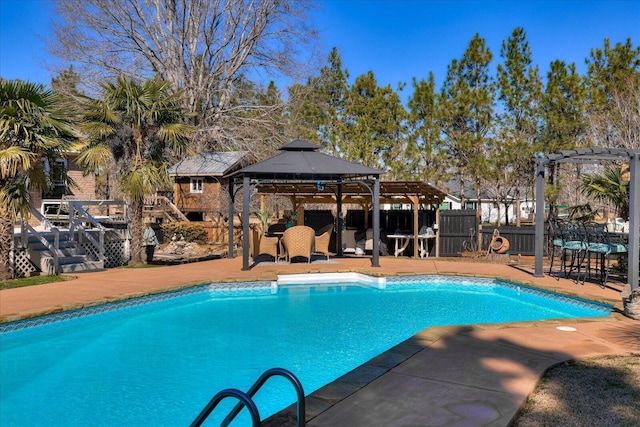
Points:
(203, 47)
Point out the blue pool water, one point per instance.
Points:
(160, 360)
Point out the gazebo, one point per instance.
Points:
(593, 155)
(299, 162)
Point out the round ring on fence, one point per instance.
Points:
(499, 245)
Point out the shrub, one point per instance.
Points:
(191, 232)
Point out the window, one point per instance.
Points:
(197, 185)
(195, 216)
(57, 172)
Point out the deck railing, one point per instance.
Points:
(79, 218)
(85, 220)
(53, 247)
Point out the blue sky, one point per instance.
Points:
(397, 40)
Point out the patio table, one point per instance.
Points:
(424, 244)
(401, 242)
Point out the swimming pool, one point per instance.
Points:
(158, 360)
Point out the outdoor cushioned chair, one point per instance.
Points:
(263, 245)
(298, 241)
(323, 236)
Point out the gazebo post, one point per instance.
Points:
(246, 202)
(339, 220)
(634, 221)
(376, 222)
(230, 250)
(539, 242)
(437, 230)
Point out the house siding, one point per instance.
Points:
(85, 188)
(86, 184)
(207, 201)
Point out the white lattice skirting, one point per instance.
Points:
(21, 263)
(116, 254)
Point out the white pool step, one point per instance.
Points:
(329, 278)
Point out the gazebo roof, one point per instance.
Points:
(300, 160)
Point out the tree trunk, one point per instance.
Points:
(506, 214)
(478, 215)
(136, 232)
(6, 245)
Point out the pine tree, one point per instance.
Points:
(520, 93)
(467, 117)
(375, 124)
(424, 154)
(563, 106)
(316, 110)
(613, 84)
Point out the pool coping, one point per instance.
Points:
(132, 300)
(73, 306)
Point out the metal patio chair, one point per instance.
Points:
(600, 244)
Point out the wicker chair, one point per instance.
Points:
(323, 237)
(263, 245)
(298, 241)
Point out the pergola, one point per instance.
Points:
(300, 163)
(593, 155)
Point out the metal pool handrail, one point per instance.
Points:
(246, 399)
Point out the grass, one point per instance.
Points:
(32, 281)
(602, 391)
(142, 266)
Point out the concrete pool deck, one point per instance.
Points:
(467, 375)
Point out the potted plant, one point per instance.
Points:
(264, 215)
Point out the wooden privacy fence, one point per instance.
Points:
(458, 231)
(521, 239)
(459, 228)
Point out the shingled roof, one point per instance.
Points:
(209, 164)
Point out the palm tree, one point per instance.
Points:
(609, 186)
(33, 127)
(137, 127)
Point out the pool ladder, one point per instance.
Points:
(247, 401)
